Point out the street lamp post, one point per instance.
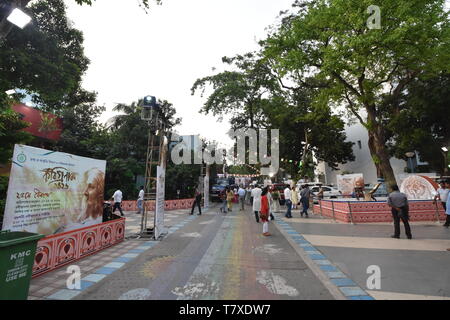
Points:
(446, 165)
(151, 112)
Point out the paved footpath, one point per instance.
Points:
(94, 268)
(214, 257)
(415, 269)
(225, 257)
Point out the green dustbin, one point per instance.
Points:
(17, 250)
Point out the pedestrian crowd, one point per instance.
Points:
(266, 201)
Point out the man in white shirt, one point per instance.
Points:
(117, 201)
(442, 194)
(288, 200)
(140, 201)
(256, 194)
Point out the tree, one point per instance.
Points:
(239, 93)
(46, 61)
(10, 133)
(80, 125)
(357, 66)
(127, 145)
(423, 121)
(256, 98)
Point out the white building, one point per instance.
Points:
(363, 163)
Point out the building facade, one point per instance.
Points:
(363, 163)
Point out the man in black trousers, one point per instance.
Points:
(197, 202)
(400, 211)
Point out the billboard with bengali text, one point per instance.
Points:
(52, 192)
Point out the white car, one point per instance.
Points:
(328, 192)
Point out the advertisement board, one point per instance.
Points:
(347, 183)
(52, 192)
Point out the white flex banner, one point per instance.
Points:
(52, 192)
(159, 207)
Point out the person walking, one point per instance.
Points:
(264, 212)
(197, 202)
(242, 193)
(256, 195)
(230, 198)
(442, 195)
(305, 195)
(140, 201)
(269, 197)
(294, 197)
(223, 197)
(248, 192)
(400, 211)
(276, 200)
(288, 200)
(117, 196)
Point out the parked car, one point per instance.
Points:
(218, 188)
(328, 192)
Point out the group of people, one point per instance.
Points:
(265, 201)
(291, 196)
(443, 196)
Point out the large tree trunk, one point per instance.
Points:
(373, 151)
(378, 149)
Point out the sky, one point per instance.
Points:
(163, 52)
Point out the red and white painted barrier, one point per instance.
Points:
(366, 212)
(62, 249)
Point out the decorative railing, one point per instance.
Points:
(371, 211)
(61, 249)
(150, 205)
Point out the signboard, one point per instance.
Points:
(159, 208)
(348, 182)
(53, 192)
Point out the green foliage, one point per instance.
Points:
(256, 97)
(181, 177)
(47, 59)
(358, 67)
(3, 189)
(422, 121)
(10, 134)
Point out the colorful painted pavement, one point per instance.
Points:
(98, 266)
(225, 257)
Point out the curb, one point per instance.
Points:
(338, 283)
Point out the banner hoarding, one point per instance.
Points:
(52, 192)
(160, 203)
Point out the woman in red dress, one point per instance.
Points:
(264, 213)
